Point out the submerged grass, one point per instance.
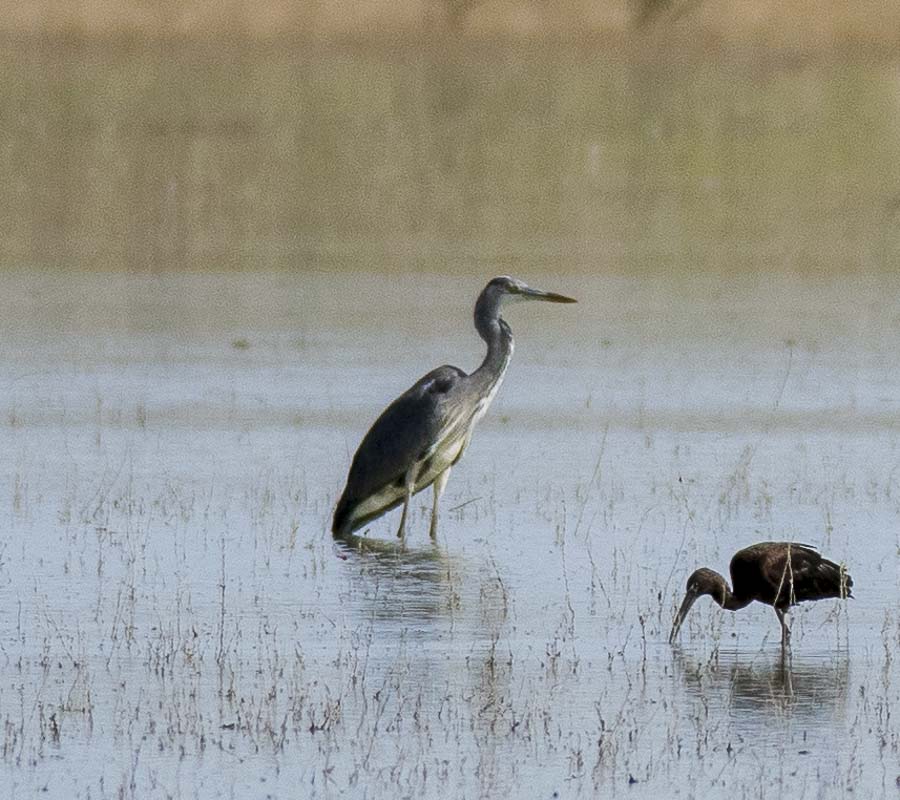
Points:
(215, 625)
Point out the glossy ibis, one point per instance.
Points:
(425, 431)
(779, 574)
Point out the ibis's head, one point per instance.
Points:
(703, 581)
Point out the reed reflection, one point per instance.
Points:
(391, 582)
(751, 689)
(426, 593)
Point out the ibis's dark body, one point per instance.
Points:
(782, 574)
(779, 574)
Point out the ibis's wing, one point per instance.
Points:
(790, 572)
(406, 433)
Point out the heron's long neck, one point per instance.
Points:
(723, 595)
(498, 336)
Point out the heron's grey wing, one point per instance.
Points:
(406, 432)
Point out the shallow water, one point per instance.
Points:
(165, 437)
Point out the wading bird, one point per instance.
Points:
(425, 431)
(779, 574)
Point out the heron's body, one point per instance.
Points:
(424, 432)
(779, 574)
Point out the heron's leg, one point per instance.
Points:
(410, 483)
(438, 488)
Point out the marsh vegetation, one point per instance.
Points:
(181, 623)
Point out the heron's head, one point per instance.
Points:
(703, 581)
(506, 289)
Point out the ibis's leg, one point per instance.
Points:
(408, 493)
(785, 630)
(438, 488)
(785, 652)
(787, 678)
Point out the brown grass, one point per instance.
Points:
(795, 24)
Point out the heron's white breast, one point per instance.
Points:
(485, 402)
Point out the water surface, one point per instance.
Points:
(198, 442)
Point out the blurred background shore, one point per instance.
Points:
(769, 23)
(476, 137)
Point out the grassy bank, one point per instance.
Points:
(796, 24)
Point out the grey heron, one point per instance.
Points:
(779, 574)
(424, 432)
